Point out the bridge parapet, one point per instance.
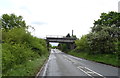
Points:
(59, 37)
(55, 36)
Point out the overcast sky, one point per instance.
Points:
(58, 17)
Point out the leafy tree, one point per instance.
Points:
(63, 46)
(109, 22)
(18, 45)
(74, 36)
(104, 37)
(111, 19)
(68, 35)
(11, 21)
(82, 44)
(105, 33)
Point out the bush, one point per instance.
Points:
(82, 44)
(19, 46)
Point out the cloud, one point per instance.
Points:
(24, 8)
(39, 23)
(59, 17)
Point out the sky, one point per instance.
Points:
(58, 17)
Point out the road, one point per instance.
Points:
(61, 64)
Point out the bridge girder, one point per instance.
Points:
(61, 40)
(68, 40)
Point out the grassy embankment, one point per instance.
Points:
(29, 68)
(110, 59)
(22, 54)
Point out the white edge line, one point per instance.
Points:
(40, 71)
(45, 68)
(85, 72)
(41, 68)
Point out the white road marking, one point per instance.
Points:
(95, 72)
(52, 57)
(46, 66)
(85, 72)
(45, 70)
(80, 66)
(69, 59)
(76, 57)
(89, 72)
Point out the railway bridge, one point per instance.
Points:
(61, 39)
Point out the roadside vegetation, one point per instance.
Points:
(22, 53)
(102, 43)
(65, 47)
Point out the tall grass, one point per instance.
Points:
(29, 68)
(111, 59)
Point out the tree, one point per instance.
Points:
(68, 35)
(82, 44)
(105, 33)
(11, 21)
(110, 22)
(74, 36)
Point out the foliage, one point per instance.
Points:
(105, 33)
(74, 36)
(104, 37)
(54, 47)
(111, 19)
(17, 49)
(28, 69)
(11, 21)
(65, 47)
(110, 59)
(82, 44)
(68, 35)
(0, 60)
(18, 45)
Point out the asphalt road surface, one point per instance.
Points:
(63, 65)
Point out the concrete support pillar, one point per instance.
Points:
(72, 46)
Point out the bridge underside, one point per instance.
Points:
(67, 40)
(61, 40)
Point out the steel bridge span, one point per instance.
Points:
(61, 39)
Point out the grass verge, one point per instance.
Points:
(30, 68)
(109, 59)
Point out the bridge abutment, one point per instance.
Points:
(72, 46)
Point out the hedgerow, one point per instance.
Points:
(19, 46)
